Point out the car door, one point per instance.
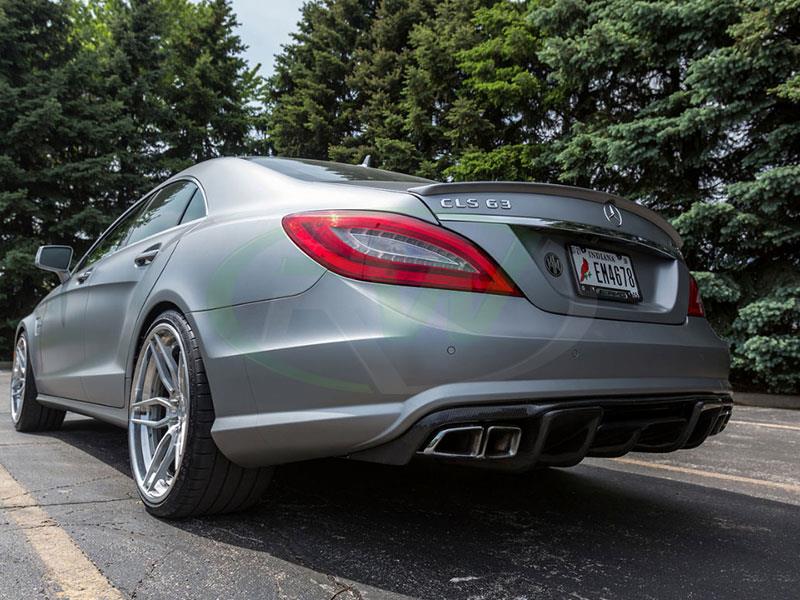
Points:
(58, 323)
(60, 319)
(119, 285)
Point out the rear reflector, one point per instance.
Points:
(390, 248)
(695, 300)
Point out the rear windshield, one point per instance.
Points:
(331, 172)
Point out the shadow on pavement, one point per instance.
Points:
(438, 533)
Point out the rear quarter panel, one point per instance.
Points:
(241, 253)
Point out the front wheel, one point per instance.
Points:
(179, 470)
(26, 412)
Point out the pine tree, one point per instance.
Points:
(378, 78)
(747, 241)
(433, 80)
(208, 87)
(135, 71)
(308, 99)
(620, 68)
(501, 122)
(60, 132)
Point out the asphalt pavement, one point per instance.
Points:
(719, 521)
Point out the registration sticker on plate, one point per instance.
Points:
(606, 275)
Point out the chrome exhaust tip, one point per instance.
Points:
(457, 442)
(501, 441)
(475, 441)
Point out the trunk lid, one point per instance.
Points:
(547, 237)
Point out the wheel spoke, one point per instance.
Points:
(155, 424)
(166, 463)
(151, 402)
(165, 364)
(19, 361)
(163, 456)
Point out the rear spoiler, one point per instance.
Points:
(550, 189)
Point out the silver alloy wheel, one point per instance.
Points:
(158, 418)
(18, 375)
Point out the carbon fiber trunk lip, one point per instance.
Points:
(552, 190)
(563, 433)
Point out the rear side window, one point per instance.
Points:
(163, 211)
(196, 208)
(113, 239)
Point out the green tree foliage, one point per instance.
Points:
(309, 103)
(503, 117)
(99, 100)
(208, 86)
(752, 83)
(431, 100)
(59, 133)
(134, 70)
(176, 66)
(377, 80)
(691, 107)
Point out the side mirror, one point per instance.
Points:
(55, 259)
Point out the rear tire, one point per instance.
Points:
(27, 413)
(197, 478)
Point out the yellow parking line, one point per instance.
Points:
(67, 566)
(788, 487)
(770, 425)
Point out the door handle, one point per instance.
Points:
(84, 276)
(146, 257)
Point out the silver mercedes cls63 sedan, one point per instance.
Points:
(250, 312)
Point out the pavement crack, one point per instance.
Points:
(44, 525)
(247, 538)
(62, 486)
(15, 444)
(76, 502)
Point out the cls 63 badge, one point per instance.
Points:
(490, 203)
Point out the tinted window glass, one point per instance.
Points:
(196, 208)
(163, 211)
(114, 239)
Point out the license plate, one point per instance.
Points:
(603, 274)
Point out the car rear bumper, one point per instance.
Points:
(347, 366)
(393, 432)
(557, 433)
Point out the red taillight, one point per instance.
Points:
(392, 248)
(695, 300)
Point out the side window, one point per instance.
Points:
(196, 208)
(163, 211)
(114, 239)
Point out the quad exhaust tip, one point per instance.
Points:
(501, 441)
(475, 441)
